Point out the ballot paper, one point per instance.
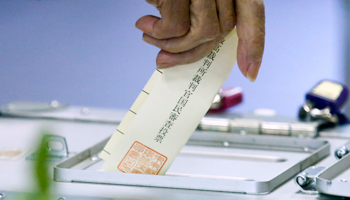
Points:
(167, 111)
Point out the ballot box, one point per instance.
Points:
(212, 165)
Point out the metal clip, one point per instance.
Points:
(57, 148)
(307, 179)
(308, 113)
(342, 151)
(217, 101)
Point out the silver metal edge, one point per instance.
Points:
(325, 184)
(62, 174)
(319, 154)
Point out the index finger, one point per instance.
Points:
(174, 21)
(251, 33)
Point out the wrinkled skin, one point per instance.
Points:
(189, 29)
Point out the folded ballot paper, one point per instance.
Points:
(167, 112)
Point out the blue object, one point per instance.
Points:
(330, 94)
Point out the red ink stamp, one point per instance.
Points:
(141, 159)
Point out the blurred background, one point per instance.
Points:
(88, 52)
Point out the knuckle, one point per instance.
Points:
(228, 26)
(259, 34)
(210, 33)
(172, 30)
(258, 7)
(257, 41)
(158, 34)
(179, 29)
(256, 3)
(260, 2)
(258, 44)
(183, 28)
(169, 46)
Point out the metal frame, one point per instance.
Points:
(325, 183)
(322, 180)
(68, 172)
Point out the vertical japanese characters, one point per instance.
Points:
(192, 86)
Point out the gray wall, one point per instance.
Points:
(87, 52)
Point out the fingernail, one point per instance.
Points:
(253, 70)
(144, 39)
(164, 65)
(250, 78)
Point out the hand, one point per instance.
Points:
(189, 29)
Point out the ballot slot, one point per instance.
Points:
(94, 162)
(245, 164)
(90, 161)
(231, 156)
(196, 161)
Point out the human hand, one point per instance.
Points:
(189, 29)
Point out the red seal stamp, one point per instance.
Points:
(141, 159)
